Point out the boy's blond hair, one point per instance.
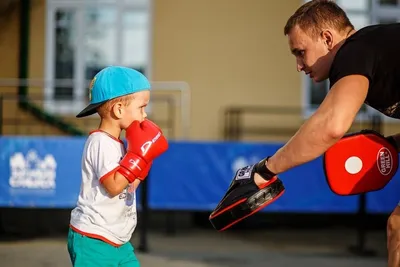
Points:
(105, 109)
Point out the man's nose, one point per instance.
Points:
(300, 65)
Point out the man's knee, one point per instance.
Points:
(393, 228)
(393, 220)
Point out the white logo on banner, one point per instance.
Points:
(32, 172)
(241, 162)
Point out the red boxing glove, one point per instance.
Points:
(145, 172)
(145, 143)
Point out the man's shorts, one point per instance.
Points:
(90, 252)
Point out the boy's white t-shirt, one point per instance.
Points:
(112, 219)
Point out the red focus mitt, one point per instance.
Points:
(360, 162)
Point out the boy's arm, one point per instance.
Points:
(104, 157)
(145, 142)
(136, 184)
(115, 182)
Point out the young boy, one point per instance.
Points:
(104, 219)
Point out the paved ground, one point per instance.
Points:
(207, 248)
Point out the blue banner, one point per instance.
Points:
(45, 172)
(195, 176)
(40, 172)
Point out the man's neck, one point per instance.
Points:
(343, 39)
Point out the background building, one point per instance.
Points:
(221, 71)
(229, 53)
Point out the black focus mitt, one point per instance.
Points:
(244, 197)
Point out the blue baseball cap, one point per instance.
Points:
(112, 82)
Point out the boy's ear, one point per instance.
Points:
(117, 110)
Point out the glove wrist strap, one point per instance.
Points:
(263, 171)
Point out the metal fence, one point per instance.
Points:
(274, 123)
(26, 116)
(35, 112)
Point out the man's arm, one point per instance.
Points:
(325, 127)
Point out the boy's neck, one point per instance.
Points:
(110, 128)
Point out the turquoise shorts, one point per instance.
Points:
(88, 252)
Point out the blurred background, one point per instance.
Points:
(226, 94)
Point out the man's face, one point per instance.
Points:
(312, 54)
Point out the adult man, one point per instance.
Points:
(362, 67)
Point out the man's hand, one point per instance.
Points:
(252, 188)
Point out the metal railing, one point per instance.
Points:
(172, 99)
(267, 122)
(17, 119)
(236, 128)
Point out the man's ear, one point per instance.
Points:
(117, 110)
(327, 38)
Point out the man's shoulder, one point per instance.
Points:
(374, 30)
(372, 37)
(366, 48)
(355, 56)
(358, 42)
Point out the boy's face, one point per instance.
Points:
(135, 110)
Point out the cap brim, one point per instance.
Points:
(90, 110)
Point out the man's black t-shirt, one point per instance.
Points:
(374, 52)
